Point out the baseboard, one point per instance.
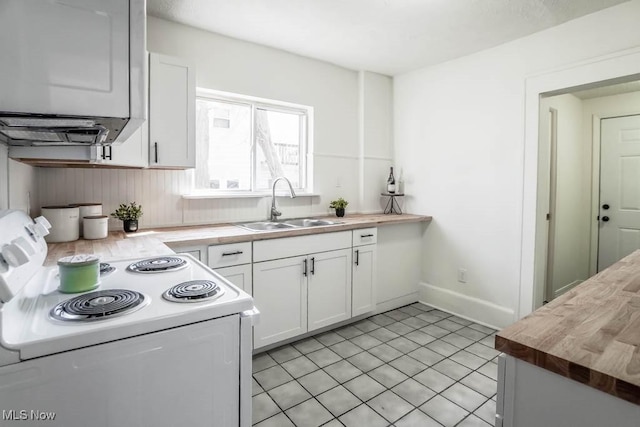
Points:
(470, 308)
(566, 288)
(392, 304)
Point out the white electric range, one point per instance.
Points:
(161, 342)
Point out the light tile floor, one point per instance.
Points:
(414, 366)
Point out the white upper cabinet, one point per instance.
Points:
(172, 103)
(65, 57)
(134, 152)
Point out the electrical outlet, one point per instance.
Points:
(462, 275)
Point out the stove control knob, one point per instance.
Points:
(14, 255)
(42, 226)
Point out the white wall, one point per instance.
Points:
(376, 92)
(240, 67)
(459, 135)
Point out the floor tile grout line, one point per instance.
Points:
(401, 353)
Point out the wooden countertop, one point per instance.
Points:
(155, 242)
(591, 334)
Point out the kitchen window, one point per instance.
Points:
(244, 143)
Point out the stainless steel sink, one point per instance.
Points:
(310, 222)
(265, 226)
(286, 225)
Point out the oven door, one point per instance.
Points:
(185, 376)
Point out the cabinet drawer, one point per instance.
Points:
(365, 236)
(228, 255)
(286, 247)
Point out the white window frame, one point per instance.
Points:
(306, 142)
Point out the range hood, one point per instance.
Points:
(77, 76)
(37, 130)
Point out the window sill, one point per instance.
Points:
(243, 195)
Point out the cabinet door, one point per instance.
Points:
(172, 103)
(329, 288)
(364, 279)
(133, 152)
(239, 275)
(65, 57)
(280, 293)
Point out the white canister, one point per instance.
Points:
(96, 227)
(88, 209)
(65, 223)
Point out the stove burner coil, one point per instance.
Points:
(158, 265)
(106, 269)
(193, 291)
(99, 305)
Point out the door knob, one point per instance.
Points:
(605, 218)
(605, 206)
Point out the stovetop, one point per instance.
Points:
(27, 325)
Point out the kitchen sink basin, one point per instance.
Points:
(286, 225)
(310, 222)
(266, 225)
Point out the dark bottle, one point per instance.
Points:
(391, 182)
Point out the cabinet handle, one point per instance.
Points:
(357, 257)
(366, 235)
(304, 267)
(231, 253)
(155, 146)
(109, 156)
(104, 155)
(313, 265)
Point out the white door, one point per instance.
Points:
(172, 106)
(329, 288)
(619, 189)
(363, 298)
(239, 275)
(280, 294)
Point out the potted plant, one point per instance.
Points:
(129, 215)
(339, 205)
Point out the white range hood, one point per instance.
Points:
(73, 72)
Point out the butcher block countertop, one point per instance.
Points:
(591, 334)
(155, 242)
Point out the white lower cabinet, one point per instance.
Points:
(280, 293)
(363, 285)
(306, 288)
(233, 262)
(239, 275)
(329, 288)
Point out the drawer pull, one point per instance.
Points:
(366, 235)
(231, 253)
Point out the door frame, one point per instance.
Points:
(613, 68)
(547, 295)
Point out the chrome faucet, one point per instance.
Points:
(275, 213)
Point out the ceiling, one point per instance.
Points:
(385, 36)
